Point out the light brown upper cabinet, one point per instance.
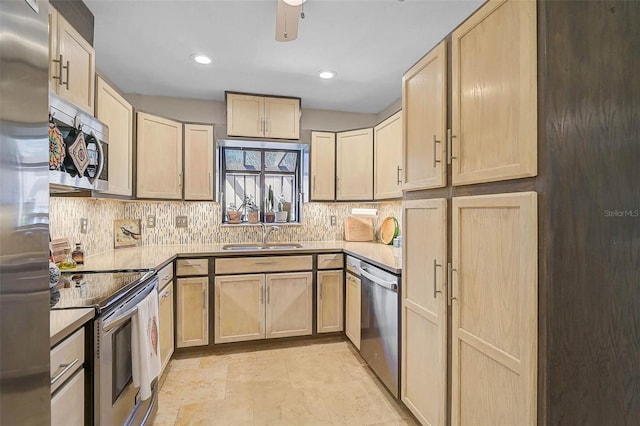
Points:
(424, 310)
(262, 116)
(159, 161)
(71, 63)
(323, 166)
(494, 309)
(354, 165)
(424, 109)
(494, 104)
(387, 152)
(114, 111)
(199, 162)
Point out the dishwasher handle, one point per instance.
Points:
(389, 285)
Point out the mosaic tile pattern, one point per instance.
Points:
(204, 222)
(64, 221)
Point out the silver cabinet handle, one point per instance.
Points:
(435, 142)
(166, 294)
(450, 271)
(314, 184)
(66, 83)
(59, 76)
(450, 156)
(264, 263)
(65, 368)
(267, 295)
(204, 298)
(435, 277)
(262, 295)
(398, 178)
(320, 291)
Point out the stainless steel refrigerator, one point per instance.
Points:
(24, 214)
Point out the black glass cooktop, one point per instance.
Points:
(97, 290)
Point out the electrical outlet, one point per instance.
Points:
(84, 225)
(181, 221)
(333, 220)
(151, 221)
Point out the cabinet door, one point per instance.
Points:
(245, 115)
(282, 118)
(198, 162)
(353, 306)
(424, 310)
(289, 304)
(494, 104)
(494, 309)
(330, 301)
(79, 59)
(387, 152)
(323, 166)
(239, 308)
(55, 69)
(159, 157)
(354, 173)
(165, 312)
(114, 111)
(424, 109)
(193, 312)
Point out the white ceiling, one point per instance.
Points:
(144, 47)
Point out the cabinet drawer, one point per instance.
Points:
(67, 406)
(249, 265)
(165, 275)
(67, 358)
(330, 261)
(185, 267)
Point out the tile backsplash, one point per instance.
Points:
(204, 222)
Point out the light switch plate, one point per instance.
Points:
(151, 221)
(181, 221)
(333, 220)
(84, 225)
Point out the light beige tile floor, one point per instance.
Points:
(315, 382)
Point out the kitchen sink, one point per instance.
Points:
(259, 246)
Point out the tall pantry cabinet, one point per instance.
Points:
(538, 287)
(470, 275)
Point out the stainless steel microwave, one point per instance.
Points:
(68, 122)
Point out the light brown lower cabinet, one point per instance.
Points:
(192, 305)
(330, 301)
(165, 312)
(259, 306)
(352, 309)
(490, 287)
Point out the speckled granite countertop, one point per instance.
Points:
(154, 257)
(63, 322)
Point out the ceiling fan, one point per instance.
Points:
(287, 19)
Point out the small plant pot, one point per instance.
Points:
(253, 216)
(281, 216)
(234, 217)
(269, 217)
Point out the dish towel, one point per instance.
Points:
(145, 346)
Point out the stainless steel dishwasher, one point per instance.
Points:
(379, 325)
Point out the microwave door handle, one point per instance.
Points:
(102, 159)
(111, 324)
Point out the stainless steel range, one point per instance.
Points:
(115, 296)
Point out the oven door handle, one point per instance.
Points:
(386, 284)
(111, 324)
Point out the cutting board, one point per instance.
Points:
(358, 229)
(58, 245)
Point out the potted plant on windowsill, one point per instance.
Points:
(252, 210)
(234, 214)
(283, 209)
(269, 215)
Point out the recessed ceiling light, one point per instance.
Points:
(327, 74)
(201, 59)
(294, 2)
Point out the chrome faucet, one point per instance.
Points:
(266, 232)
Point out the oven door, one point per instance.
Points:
(117, 401)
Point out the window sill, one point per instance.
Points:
(230, 225)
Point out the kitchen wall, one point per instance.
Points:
(204, 222)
